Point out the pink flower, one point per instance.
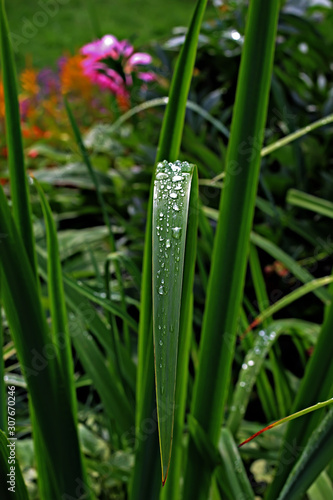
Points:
(110, 64)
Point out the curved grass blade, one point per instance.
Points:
(311, 286)
(84, 315)
(19, 490)
(97, 299)
(231, 244)
(310, 202)
(172, 187)
(108, 386)
(284, 420)
(296, 135)
(57, 302)
(315, 457)
(254, 360)
(302, 274)
(163, 101)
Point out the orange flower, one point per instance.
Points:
(72, 77)
(123, 102)
(29, 81)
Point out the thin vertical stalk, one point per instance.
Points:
(86, 159)
(231, 246)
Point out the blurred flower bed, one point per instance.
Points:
(105, 78)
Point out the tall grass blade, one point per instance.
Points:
(172, 487)
(18, 178)
(84, 316)
(232, 238)
(57, 303)
(36, 353)
(169, 144)
(172, 187)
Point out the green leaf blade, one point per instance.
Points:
(169, 144)
(172, 187)
(18, 178)
(232, 237)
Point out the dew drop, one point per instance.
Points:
(161, 175)
(173, 195)
(167, 244)
(177, 178)
(175, 207)
(161, 289)
(251, 362)
(244, 366)
(176, 232)
(161, 342)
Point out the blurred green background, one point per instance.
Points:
(42, 30)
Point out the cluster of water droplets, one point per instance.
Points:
(171, 193)
(249, 370)
(170, 190)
